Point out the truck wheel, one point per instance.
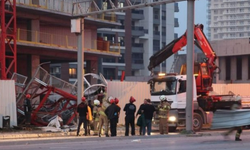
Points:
(172, 129)
(197, 122)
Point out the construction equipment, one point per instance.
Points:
(173, 86)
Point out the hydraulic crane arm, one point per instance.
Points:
(176, 45)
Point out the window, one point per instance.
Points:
(239, 68)
(182, 87)
(72, 73)
(228, 68)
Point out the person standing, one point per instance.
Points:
(103, 120)
(149, 112)
(27, 110)
(96, 116)
(82, 110)
(130, 110)
(141, 119)
(112, 113)
(163, 108)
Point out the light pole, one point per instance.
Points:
(77, 27)
(190, 65)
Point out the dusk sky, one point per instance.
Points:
(200, 15)
(200, 18)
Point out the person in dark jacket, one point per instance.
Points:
(130, 110)
(149, 112)
(82, 110)
(112, 113)
(27, 110)
(139, 112)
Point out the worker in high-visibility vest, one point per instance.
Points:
(96, 116)
(163, 109)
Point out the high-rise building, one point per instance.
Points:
(143, 32)
(228, 19)
(229, 31)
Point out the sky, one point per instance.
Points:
(199, 18)
(200, 15)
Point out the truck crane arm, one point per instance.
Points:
(176, 45)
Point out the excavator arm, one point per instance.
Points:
(176, 45)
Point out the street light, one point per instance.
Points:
(77, 27)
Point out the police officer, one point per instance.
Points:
(27, 110)
(96, 116)
(130, 110)
(163, 108)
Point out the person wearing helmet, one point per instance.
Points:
(96, 116)
(103, 120)
(163, 109)
(112, 113)
(82, 112)
(130, 110)
(27, 110)
(117, 102)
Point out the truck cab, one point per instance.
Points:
(173, 86)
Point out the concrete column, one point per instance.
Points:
(222, 66)
(100, 67)
(65, 71)
(244, 71)
(35, 62)
(128, 43)
(233, 69)
(35, 29)
(22, 68)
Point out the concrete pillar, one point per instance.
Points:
(35, 29)
(65, 71)
(35, 62)
(222, 66)
(100, 67)
(128, 43)
(22, 65)
(92, 67)
(244, 71)
(233, 69)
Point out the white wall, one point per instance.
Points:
(8, 101)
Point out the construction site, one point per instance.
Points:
(34, 35)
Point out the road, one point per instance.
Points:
(154, 142)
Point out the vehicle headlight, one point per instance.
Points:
(172, 118)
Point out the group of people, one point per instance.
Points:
(106, 113)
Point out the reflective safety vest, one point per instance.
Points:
(101, 111)
(163, 110)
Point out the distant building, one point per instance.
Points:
(229, 31)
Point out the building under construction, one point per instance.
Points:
(34, 35)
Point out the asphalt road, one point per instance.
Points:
(155, 142)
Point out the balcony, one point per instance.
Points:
(156, 35)
(137, 14)
(137, 31)
(63, 7)
(137, 47)
(48, 40)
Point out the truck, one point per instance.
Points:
(174, 86)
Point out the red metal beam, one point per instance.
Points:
(7, 38)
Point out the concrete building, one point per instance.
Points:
(143, 32)
(228, 19)
(229, 31)
(44, 35)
